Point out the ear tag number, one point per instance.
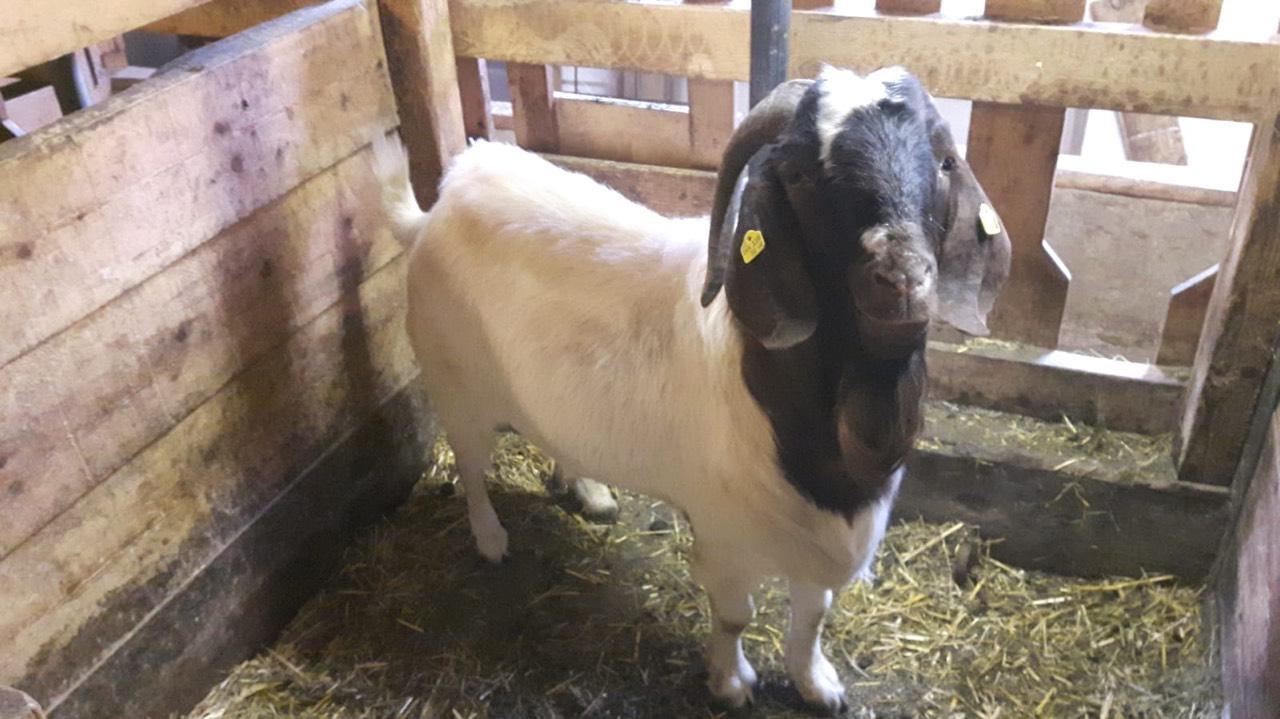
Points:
(989, 219)
(752, 245)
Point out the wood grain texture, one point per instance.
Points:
(710, 121)
(111, 195)
(220, 18)
(424, 75)
(908, 7)
(77, 589)
(254, 585)
(78, 413)
(1184, 321)
(1055, 11)
(1241, 323)
(1014, 153)
(1182, 15)
(473, 89)
(533, 106)
(38, 32)
(622, 130)
(1152, 138)
(980, 60)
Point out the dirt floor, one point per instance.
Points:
(603, 621)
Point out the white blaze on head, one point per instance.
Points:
(842, 92)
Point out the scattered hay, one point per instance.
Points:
(589, 620)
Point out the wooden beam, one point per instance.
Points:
(424, 75)
(473, 88)
(220, 18)
(1050, 11)
(1014, 153)
(80, 413)
(1076, 520)
(909, 7)
(1182, 15)
(591, 126)
(247, 593)
(1241, 323)
(1184, 320)
(77, 589)
(981, 60)
(532, 106)
(711, 121)
(105, 199)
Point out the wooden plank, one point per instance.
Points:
(221, 18)
(40, 32)
(254, 585)
(532, 106)
(1182, 15)
(1092, 522)
(981, 60)
(473, 89)
(710, 121)
(604, 127)
(672, 191)
(1124, 396)
(1151, 138)
(1055, 11)
(1240, 325)
(1014, 152)
(909, 7)
(75, 413)
(1139, 180)
(424, 76)
(1184, 321)
(112, 194)
(76, 590)
(812, 4)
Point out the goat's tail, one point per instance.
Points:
(391, 165)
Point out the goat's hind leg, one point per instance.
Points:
(595, 500)
(471, 449)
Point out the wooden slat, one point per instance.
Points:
(473, 89)
(1241, 323)
(108, 196)
(78, 413)
(1055, 11)
(532, 106)
(1151, 138)
(811, 4)
(36, 32)
(1184, 320)
(75, 590)
(622, 130)
(908, 7)
(1014, 152)
(424, 76)
(220, 18)
(981, 60)
(1182, 15)
(710, 121)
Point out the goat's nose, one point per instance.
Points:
(896, 281)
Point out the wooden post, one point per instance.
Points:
(1242, 323)
(1013, 150)
(473, 87)
(908, 7)
(1189, 16)
(770, 28)
(812, 4)
(1184, 320)
(424, 76)
(532, 106)
(710, 120)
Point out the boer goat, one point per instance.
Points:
(776, 414)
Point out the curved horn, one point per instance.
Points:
(761, 126)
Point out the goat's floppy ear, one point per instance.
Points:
(768, 285)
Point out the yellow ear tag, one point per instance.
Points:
(989, 219)
(752, 245)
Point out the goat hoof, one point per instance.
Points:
(492, 544)
(820, 687)
(734, 687)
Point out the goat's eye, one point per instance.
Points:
(949, 164)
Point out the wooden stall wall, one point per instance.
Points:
(201, 342)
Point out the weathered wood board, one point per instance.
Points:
(111, 195)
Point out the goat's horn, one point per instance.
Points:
(761, 126)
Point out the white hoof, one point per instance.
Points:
(820, 685)
(491, 540)
(596, 499)
(734, 685)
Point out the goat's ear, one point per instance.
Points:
(768, 285)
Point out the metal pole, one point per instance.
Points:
(770, 26)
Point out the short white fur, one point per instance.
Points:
(540, 299)
(842, 92)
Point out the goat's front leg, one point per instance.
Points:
(731, 676)
(813, 674)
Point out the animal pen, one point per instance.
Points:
(208, 396)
